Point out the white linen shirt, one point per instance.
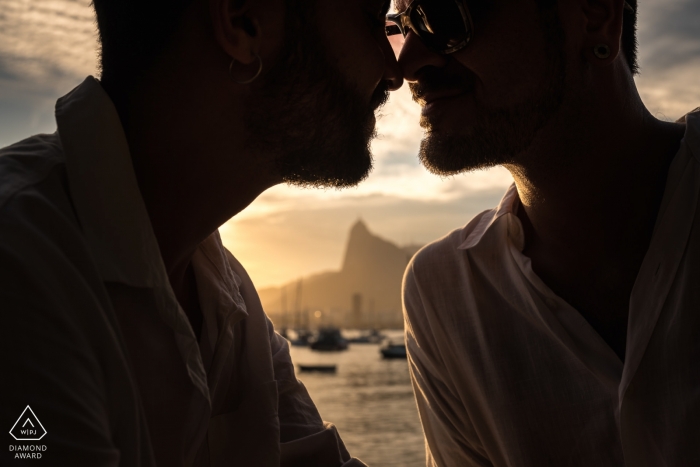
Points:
(506, 373)
(94, 340)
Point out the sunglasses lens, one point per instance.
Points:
(395, 37)
(441, 24)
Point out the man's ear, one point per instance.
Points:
(603, 20)
(236, 29)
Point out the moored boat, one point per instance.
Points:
(371, 337)
(329, 339)
(393, 350)
(301, 338)
(318, 368)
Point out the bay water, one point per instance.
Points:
(370, 400)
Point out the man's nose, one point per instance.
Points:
(415, 56)
(392, 71)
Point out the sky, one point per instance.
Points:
(47, 47)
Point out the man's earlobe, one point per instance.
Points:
(602, 54)
(604, 29)
(236, 30)
(601, 51)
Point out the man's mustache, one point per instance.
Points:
(433, 80)
(380, 96)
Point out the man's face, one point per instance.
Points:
(336, 69)
(483, 105)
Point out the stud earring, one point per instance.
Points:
(602, 51)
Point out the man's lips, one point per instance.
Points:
(432, 99)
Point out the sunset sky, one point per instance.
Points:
(47, 47)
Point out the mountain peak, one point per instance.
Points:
(372, 267)
(359, 228)
(366, 252)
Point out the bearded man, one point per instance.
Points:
(559, 328)
(135, 337)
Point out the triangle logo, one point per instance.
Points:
(27, 427)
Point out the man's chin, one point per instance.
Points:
(342, 173)
(336, 155)
(448, 154)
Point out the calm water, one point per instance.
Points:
(371, 402)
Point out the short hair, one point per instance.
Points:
(628, 41)
(133, 34)
(629, 36)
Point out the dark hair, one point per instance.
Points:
(628, 41)
(133, 34)
(629, 36)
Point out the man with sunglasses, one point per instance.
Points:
(133, 335)
(559, 328)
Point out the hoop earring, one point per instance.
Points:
(602, 51)
(247, 81)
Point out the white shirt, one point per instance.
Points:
(94, 340)
(506, 373)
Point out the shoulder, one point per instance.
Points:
(27, 163)
(42, 246)
(34, 190)
(33, 184)
(441, 281)
(443, 257)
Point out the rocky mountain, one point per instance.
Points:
(366, 291)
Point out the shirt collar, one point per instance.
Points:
(508, 205)
(104, 190)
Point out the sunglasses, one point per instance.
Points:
(444, 26)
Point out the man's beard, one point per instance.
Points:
(499, 135)
(318, 126)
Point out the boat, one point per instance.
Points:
(329, 339)
(371, 337)
(318, 368)
(393, 350)
(302, 337)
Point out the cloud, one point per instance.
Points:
(43, 39)
(669, 34)
(669, 56)
(46, 48)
